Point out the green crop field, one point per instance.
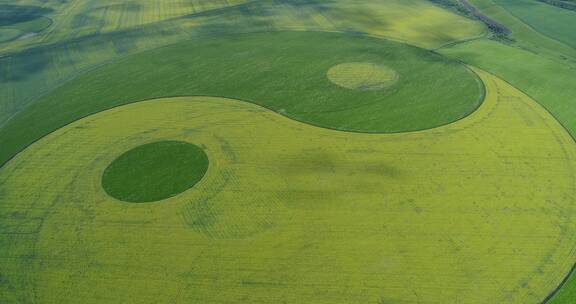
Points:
(287, 151)
(555, 22)
(155, 171)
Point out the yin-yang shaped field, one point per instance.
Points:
(298, 152)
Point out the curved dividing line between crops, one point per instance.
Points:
(572, 270)
(201, 36)
(533, 28)
(550, 296)
(547, 299)
(528, 25)
(481, 103)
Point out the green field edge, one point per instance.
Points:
(532, 27)
(485, 35)
(535, 32)
(562, 284)
(572, 270)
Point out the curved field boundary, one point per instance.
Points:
(492, 24)
(550, 297)
(524, 32)
(335, 105)
(524, 21)
(510, 143)
(257, 17)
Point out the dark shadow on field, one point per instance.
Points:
(338, 164)
(125, 45)
(314, 178)
(81, 20)
(12, 14)
(34, 60)
(23, 65)
(321, 5)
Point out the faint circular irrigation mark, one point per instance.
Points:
(363, 76)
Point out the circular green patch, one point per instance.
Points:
(155, 171)
(362, 76)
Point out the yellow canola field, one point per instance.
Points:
(478, 211)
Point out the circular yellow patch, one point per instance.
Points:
(363, 76)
